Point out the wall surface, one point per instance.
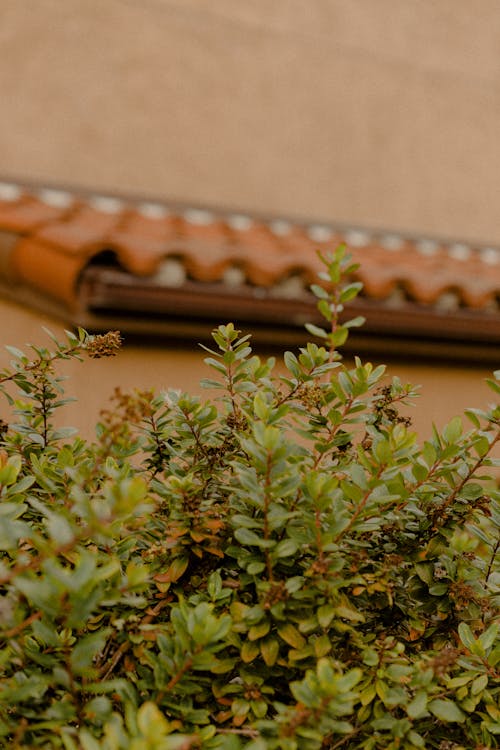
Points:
(379, 113)
(445, 391)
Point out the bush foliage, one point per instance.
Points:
(282, 567)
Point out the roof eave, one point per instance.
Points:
(190, 313)
(193, 309)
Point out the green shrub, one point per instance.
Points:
(284, 567)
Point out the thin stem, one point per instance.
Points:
(267, 500)
(333, 431)
(289, 395)
(35, 364)
(200, 449)
(108, 668)
(334, 322)
(230, 386)
(438, 513)
(36, 562)
(319, 541)
(345, 739)
(12, 632)
(361, 505)
(44, 408)
(492, 560)
(179, 675)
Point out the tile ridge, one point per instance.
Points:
(69, 228)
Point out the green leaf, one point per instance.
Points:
(269, 648)
(446, 710)
(256, 567)
(471, 414)
(350, 291)
(260, 407)
(453, 430)
(356, 322)
(466, 635)
(247, 536)
(370, 657)
(285, 548)
(291, 635)
(86, 649)
(367, 695)
(417, 707)
(17, 353)
(87, 741)
(60, 529)
(482, 446)
(259, 708)
(259, 630)
(339, 336)
(325, 614)
(438, 589)
(318, 291)
(316, 331)
(151, 722)
(325, 672)
(425, 571)
(494, 385)
(214, 585)
(322, 646)
(292, 363)
(215, 365)
(349, 680)
(349, 613)
(479, 684)
(303, 693)
(325, 308)
(249, 651)
(489, 637)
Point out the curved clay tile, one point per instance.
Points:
(48, 269)
(86, 226)
(57, 242)
(137, 251)
(208, 267)
(481, 294)
(140, 257)
(256, 243)
(380, 287)
(214, 233)
(26, 214)
(162, 228)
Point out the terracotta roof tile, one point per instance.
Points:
(47, 269)
(60, 234)
(26, 214)
(85, 227)
(136, 225)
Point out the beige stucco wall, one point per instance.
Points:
(383, 113)
(379, 113)
(445, 391)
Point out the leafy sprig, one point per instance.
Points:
(283, 568)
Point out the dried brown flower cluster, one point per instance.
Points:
(311, 396)
(442, 663)
(127, 411)
(104, 345)
(385, 410)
